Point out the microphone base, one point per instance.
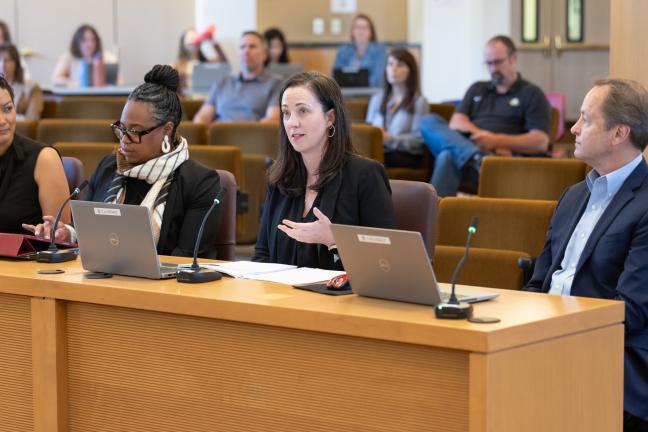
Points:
(197, 276)
(48, 256)
(453, 311)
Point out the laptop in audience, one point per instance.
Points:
(393, 265)
(351, 77)
(204, 75)
(285, 70)
(117, 239)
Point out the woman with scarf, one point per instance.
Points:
(152, 168)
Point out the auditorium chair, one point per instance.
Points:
(226, 237)
(415, 208)
(50, 131)
(424, 172)
(528, 178)
(368, 141)
(27, 128)
(356, 109)
(89, 153)
(94, 107)
(50, 106)
(194, 133)
(250, 137)
(227, 158)
(508, 230)
(190, 107)
(74, 171)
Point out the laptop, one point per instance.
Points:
(394, 265)
(205, 75)
(112, 73)
(351, 77)
(118, 239)
(285, 70)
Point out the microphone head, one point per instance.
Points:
(82, 186)
(472, 229)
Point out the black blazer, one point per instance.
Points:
(191, 193)
(613, 265)
(358, 195)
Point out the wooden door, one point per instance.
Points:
(553, 61)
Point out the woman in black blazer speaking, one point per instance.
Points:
(317, 179)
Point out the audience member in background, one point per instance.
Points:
(197, 48)
(28, 97)
(364, 52)
(152, 168)
(317, 179)
(277, 48)
(5, 38)
(597, 244)
(84, 64)
(249, 96)
(504, 116)
(398, 109)
(32, 179)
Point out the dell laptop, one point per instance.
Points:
(118, 239)
(393, 265)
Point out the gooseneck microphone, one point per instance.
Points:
(196, 274)
(453, 309)
(52, 254)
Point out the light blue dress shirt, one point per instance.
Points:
(405, 127)
(374, 59)
(602, 191)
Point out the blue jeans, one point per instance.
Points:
(451, 152)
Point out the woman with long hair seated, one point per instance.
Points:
(28, 97)
(398, 109)
(317, 179)
(152, 168)
(32, 179)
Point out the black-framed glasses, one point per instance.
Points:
(133, 136)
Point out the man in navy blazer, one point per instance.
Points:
(597, 244)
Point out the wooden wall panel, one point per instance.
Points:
(295, 18)
(628, 49)
(143, 371)
(16, 407)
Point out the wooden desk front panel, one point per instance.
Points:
(16, 407)
(141, 371)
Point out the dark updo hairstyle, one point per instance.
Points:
(275, 33)
(19, 75)
(288, 173)
(78, 37)
(160, 89)
(4, 85)
(411, 84)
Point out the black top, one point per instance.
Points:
(358, 195)
(18, 190)
(524, 107)
(191, 193)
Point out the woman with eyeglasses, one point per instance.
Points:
(152, 168)
(32, 180)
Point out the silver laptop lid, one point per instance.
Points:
(285, 70)
(204, 75)
(392, 264)
(116, 238)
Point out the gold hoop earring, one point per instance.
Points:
(166, 145)
(331, 134)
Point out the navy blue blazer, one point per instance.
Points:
(614, 265)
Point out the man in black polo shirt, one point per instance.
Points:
(505, 116)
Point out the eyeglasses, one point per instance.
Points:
(133, 136)
(496, 62)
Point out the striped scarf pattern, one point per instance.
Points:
(157, 172)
